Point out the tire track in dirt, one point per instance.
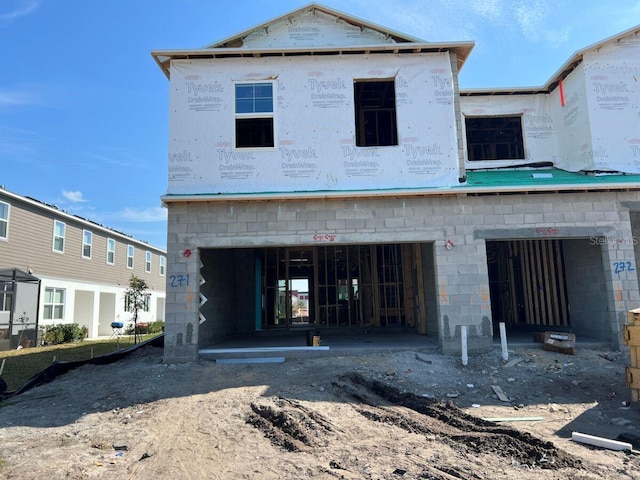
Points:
(464, 433)
(296, 428)
(290, 425)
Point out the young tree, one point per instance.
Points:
(136, 298)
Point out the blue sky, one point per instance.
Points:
(84, 108)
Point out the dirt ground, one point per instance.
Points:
(407, 414)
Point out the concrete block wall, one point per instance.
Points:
(217, 290)
(586, 289)
(456, 225)
(430, 302)
(634, 217)
(620, 269)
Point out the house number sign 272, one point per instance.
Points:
(177, 281)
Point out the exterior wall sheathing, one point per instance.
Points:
(457, 227)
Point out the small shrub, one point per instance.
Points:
(144, 328)
(156, 327)
(63, 333)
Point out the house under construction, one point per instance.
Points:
(318, 152)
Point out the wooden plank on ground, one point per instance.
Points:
(500, 393)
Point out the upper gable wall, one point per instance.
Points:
(612, 84)
(596, 127)
(313, 29)
(572, 124)
(537, 126)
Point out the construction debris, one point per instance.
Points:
(599, 441)
(560, 342)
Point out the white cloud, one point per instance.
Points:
(11, 98)
(73, 196)
(452, 20)
(492, 10)
(17, 143)
(21, 9)
(151, 214)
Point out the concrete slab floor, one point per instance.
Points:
(359, 342)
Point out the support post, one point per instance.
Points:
(503, 341)
(463, 334)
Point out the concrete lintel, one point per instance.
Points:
(542, 232)
(631, 206)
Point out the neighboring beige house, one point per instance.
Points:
(321, 148)
(60, 268)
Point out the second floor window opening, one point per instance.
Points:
(494, 138)
(375, 112)
(254, 115)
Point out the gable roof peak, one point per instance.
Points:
(241, 39)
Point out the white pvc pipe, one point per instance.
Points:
(463, 333)
(503, 342)
(599, 441)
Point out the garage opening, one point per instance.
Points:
(350, 285)
(306, 287)
(549, 284)
(527, 282)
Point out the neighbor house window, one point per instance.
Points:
(494, 138)
(87, 240)
(53, 304)
(58, 236)
(254, 115)
(163, 262)
(375, 111)
(6, 296)
(130, 252)
(130, 302)
(4, 220)
(147, 262)
(111, 251)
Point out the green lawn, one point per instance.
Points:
(21, 365)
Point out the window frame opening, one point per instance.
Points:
(375, 111)
(494, 137)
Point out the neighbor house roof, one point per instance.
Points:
(234, 46)
(53, 209)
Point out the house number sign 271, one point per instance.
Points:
(177, 281)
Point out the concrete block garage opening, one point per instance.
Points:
(549, 284)
(246, 291)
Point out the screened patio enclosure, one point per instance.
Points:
(18, 309)
(302, 287)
